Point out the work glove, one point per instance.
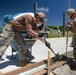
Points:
(47, 44)
(40, 35)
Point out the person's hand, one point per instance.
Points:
(47, 44)
(40, 35)
(69, 27)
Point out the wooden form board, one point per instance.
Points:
(44, 71)
(29, 67)
(26, 68)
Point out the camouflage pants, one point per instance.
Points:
(74, 45)
(7, 36)
(73, 40)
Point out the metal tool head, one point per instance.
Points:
(59, 57)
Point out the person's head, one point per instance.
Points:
(71, 13)
(39, 18)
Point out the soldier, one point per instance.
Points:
(12, 31)
(71, 13)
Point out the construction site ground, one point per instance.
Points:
(40, 52)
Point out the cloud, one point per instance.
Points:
(43, 9)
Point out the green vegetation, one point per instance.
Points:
(54, 35)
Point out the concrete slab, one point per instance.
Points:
(39, 51)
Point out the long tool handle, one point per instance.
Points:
(51, 48)
(52, 51)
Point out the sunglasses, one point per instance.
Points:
(37, 16)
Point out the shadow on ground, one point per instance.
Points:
(9, 62)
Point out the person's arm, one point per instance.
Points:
(30, 31)
(34, 33)
(71, 27)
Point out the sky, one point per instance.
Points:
(53, 9)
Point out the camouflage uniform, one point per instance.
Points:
(12, 31)
(7, 36)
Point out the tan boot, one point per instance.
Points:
(22, 63)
